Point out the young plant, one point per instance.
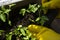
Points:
(4, 13)
(22, 32)
(31, 9)
(41, 20)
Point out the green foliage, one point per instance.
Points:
(9, 36)
(31, 20)
(11, 5)
(3, 17)
(23, 11)
(5, 11)
(1, 31)
(32, 8)
(24, 32)
(37, 19)
(9, 22)
(43, 20)
(19, 32)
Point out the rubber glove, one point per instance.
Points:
(51, 4)
(43, 33)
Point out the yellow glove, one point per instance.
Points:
(52, 4)
(43, 33)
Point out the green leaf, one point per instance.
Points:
(9, 22)
(28, 11)
(28, 33)
(37, 19)
(2, 8)
(23, 11)
(42, 22)
(33, 8)
(39, 6)
(7, 11)
(8, 37)
(3, 17)
(25, 28)
(22, 31)
(26, 38)
(31, 20)
(1, 31)
(1, 12)
(44, 18)
(19, 26)
(10, 33)
(11, 5)
(16, 32)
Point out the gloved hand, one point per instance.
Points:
(43, 33)
(51, 4)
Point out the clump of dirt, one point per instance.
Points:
(25, 21)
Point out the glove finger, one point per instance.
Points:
(34, 28)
